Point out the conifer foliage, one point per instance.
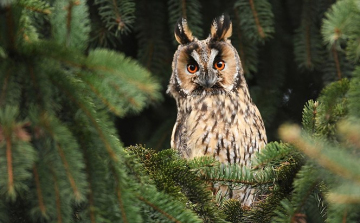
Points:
(61, 159)
(63, 80)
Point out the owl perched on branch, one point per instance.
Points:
(216, 116)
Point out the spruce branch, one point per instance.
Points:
(315, 149)
(172, 211)
(308, 47)
(247, 52)
(237, 174)
(16, 154)
(338, 28)
(337, 62)
(306, 182)
(70, 24)
(173, 176)
(109, 143)
(117, 15)
(39, 193)
(36, 6)
(68, 152)
(309, 116)
(274, 154)
(256, 18)
(332, 108)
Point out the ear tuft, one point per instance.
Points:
(221, 28)
(182, 32)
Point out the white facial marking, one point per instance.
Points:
(213, 54)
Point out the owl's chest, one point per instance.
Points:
(220, 126)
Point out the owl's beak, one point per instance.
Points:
(207, 80)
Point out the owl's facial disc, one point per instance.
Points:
(207, 77)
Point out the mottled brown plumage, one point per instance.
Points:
(216, 116)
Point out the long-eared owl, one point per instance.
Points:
(216, 116)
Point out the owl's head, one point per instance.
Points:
(209, 66)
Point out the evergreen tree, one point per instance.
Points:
(70, 71)
(61, 159)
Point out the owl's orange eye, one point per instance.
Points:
(192, 68)
(219, 64)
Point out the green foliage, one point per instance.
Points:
(326, 187)
(185, 181)
(70, 15)
(256, 19)
(117, 15)
(338, 28)
(333, 107)
(174, 176)
(60, 151)
(62, 161)
(329, 180)
(232, 209)
(16, 152)
(307, 41)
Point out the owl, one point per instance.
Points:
(215, 113)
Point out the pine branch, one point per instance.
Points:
(335, 27)
(127, 78)
(246, 49)
(101, 195)
(108, 74)
(10, 173)
(344, 164)
(16, 154)
(238, 175)
(36, 6)
(108, 142)
(337, 63)
(117, 15)
(67, 149)
(309, 116)
(172, 211)
(273, 154)
(39, 191)
(336, 66)
(58, 200)
(233, 211)
(284, 213)
(173, 176)
(338, 29)
(256, 18)
(308, 48)
(316, 209)
(307, 180)
(332, 108)
(70, 24)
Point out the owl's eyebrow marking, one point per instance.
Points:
(195, 56)
(214, 53)
(191, 47)
(216, 45)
